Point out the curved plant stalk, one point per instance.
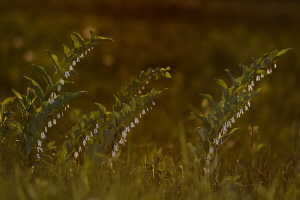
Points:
(102, 132)
(218, 125)
(42, 115)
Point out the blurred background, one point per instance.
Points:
(198, 39)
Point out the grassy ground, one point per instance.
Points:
(198, 47)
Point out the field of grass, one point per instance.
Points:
(259, 162)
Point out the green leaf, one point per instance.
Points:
(37, 88)
(44, 74)
(211, 102)
(233, 80)
(7, 101)
(283, 52)
(95, 38)
(54, 60)
(203, 119)
(203, 133)
(19, 96)
(75, 42)
(66, 50)
(117, 103)
(81, 40)
(232, 131)
(223, 87)
(101, 107)
(272, 55)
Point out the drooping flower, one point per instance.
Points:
(58, 88)
(124, 134)
(97, 126)
(211, 150)
(143, 111)
(46, 129)
(80, 149)
(74, 63)
(249, 104)
(232, 120)
(262, 75)
(246, 108)
(153, 103)
(84, 143)
(257, 78)
(71, 68)
(49, 124)
(54, 121)
(39, 149)
(252, 83)
(39, 143)
(43, 136)
(113, 154)
(121, 141)
(38, 156)
(62, 82)
(116, 147)
(250, 88)
(132, 125)
(95, 130)
(76, 155)
(136, 120)
(87, 138)
(58, 115)
(275, 66)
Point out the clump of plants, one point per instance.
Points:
(218, 125)
(87, 148)
(99, 133)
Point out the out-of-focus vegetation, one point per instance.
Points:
(199, 40)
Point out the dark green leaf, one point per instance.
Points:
(37, 88)
(75, 42)
(43, 73)
(7, 101)
(66, 51)
(81, 40)
(211, 102)
(101, 107)
(54, 60)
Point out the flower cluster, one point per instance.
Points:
(71, 68)
(52, 99)
(49, 125)
(85, 140)
(127, 129)
(217, 141)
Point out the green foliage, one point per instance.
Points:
(80, 162)
(217, 126)
(95, 132)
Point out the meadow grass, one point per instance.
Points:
(259, 163)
